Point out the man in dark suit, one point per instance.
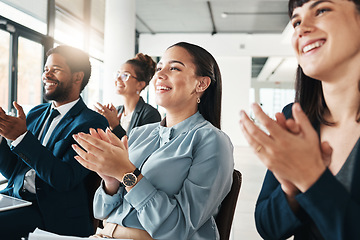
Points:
(39, 164)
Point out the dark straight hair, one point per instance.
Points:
(206, 66)
(308, 91)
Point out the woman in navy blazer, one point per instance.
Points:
(132, 77)
(311, 190)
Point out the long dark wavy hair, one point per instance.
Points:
(308, 91)
(206, 66)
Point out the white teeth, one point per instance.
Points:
(310, 47)
(162, 88)
(49, 84)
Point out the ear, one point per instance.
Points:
(203, 84)
(141, 85)
(78, 77)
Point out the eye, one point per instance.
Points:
(322, 11)
(158, 69)
(296, 24)
(174, 69)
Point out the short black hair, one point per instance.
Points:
(76, 59)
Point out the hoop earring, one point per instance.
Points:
(198, 100)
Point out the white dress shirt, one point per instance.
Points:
(29, 180)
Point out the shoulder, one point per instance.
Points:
(89, 115)
(206, 133)
(144, 130)
(37, 110)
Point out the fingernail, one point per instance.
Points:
(298, 108)
(242, 113)
(75, 136)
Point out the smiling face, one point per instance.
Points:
(60, 84)
(175, 81)
(131, 85)
(327, 37)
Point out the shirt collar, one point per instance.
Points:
(168, 133)
(63, 109)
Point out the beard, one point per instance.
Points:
(60, 94)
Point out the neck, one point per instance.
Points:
(342, 100)
(175, 117)
(130, 103)
(60, 103)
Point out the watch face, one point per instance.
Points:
(129, 179)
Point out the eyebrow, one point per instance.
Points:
(57, 66)
(173, 61)
(312, 6)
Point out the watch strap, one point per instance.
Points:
(136, 172)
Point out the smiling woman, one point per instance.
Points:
(312, 150)
(171, 180)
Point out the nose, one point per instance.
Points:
(306, 27)
(46, 73)
(160, 74)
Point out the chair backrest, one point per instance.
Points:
(225, 216)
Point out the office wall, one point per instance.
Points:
(233, 53)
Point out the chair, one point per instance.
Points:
(225, 216)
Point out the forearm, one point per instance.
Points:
(333, 209)
(104, 203)
(8, 160)
(59, 169)
(119, 131)
(274, 216)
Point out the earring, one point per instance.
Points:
(198, 100)
(137, 92)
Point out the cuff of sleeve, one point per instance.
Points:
(140, 194)
(18, 140)
(110, 199)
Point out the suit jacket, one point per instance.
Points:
(143, 114)
(327, 203)
(60, 180)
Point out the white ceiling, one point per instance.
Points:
(195, 16)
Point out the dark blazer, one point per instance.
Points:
(60, 179)
(143, 114)
(327, 203)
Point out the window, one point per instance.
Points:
(4, 69)
(29, 90)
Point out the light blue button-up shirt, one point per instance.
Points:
(187, 173)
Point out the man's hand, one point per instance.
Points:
(11, 127)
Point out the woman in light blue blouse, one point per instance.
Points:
(171, 180)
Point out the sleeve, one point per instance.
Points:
(8, 160)
(119, 131)
(208, 182)
(57, 167)
(104, 203)
(334, 210)
(274, 218)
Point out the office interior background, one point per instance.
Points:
(250, 40)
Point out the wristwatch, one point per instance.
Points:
(130, 179)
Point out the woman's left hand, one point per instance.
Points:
(107, 156)
(292, 156)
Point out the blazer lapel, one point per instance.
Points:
(40, 122)
(135, 116)
(65, 121)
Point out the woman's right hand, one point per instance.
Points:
(111, 183)
(110, 113)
